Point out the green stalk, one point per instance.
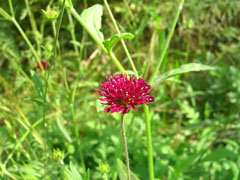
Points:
(149, 143)
(146, 109)
(167, 42)
(122, 41)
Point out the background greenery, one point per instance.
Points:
(195, 117)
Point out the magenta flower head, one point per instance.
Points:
(44, 65)
(123, 93)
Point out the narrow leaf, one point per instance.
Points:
(63, 130)
(37, 83)
(182, 69)
(5, 14)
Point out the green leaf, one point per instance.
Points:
(5, 14)
(72, 173)
(92, 17)
(37, 83)
(117, 37)
(235, 170)
(87, 175)
(219, 153)
(63, 130)
(182, 69)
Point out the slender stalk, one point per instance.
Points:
(125, 148)
(122, 41)
(149, 143)
(167, 42)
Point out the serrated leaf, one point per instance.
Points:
(191, 67)
(92, 17)
(117, 37)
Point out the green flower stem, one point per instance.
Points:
(96, 39)
(167, 42)
(125, 148)
(122, 41)
(149, 143)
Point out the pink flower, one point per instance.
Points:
(44, 65)
(123, 93)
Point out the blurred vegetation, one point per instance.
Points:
(195, 117)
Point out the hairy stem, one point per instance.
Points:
(125, 148)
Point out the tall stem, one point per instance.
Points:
(149, 143)
(125, 148)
